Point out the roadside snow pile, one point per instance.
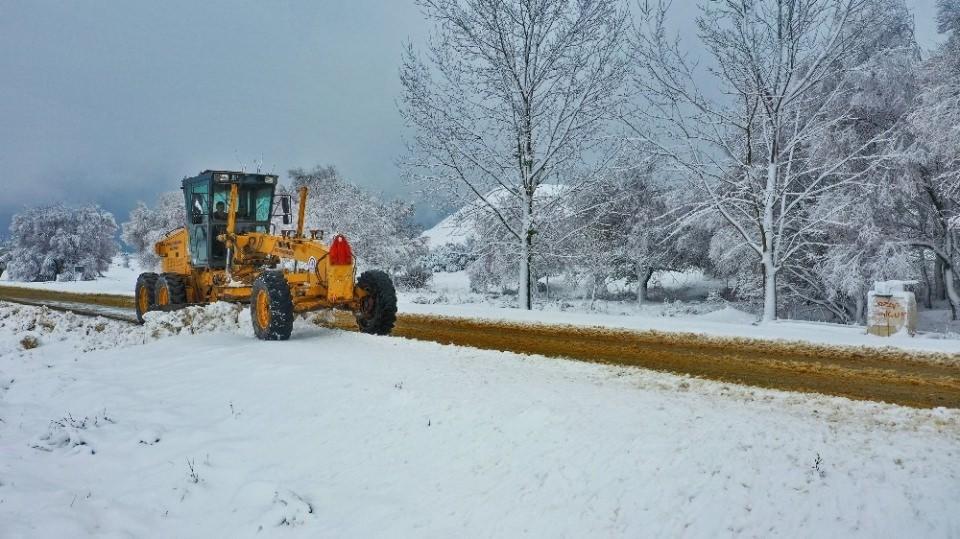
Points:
(214, 318)
(24, 328)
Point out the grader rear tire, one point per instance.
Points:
(171, 289)
(378, 309)
(271, 307)
(145, 294)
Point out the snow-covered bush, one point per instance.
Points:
(58, 242)
(492, 272)
(449, 258)
(414, 276)
(148, 225)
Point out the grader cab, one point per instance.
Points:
(230, 251)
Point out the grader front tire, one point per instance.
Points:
(378, 309)
(145, 294)
(271, 307)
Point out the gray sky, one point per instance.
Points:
(114, 101)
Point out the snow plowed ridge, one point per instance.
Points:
(920, 380)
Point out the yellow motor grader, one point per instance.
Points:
(229, 252)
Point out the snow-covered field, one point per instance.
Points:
(118, 279)
(339, 434)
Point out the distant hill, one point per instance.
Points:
(461, 225)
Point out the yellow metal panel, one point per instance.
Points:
(172, 251)
(339, 283)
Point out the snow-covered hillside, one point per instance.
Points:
(461, 225)
(347, 435)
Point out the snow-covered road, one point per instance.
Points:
(346, 435)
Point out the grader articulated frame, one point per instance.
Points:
(228, 252)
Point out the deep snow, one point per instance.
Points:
(347, 435)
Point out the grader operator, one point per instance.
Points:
(229, 251)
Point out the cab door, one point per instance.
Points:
(198, 223)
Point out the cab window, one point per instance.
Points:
(253, 203)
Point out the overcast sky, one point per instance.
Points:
(114, 101)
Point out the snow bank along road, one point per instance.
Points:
(895, 376)
(113, 430)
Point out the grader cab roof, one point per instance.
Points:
(231, 176)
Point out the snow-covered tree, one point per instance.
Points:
(146, 226)
(760, 155)
(512, 96)
(493, 246)
(834, 273)
(4, 249)
(57, 242)
(382, 232)
(927, 191)
(622, 227)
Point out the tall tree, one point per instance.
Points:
(513, 95)
(925, 192)
(757, 153)
(880, 85)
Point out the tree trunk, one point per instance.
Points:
(939, 286)
(524, 295)
(766, 236)
(524, 299)
(769, 288)
(861, 314)
(953, 295)
(950, 276)
(643, 281)
(928, 284)
(593, 291)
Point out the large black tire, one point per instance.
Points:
(271, 307)
(171, 290)
(145, 294)
(378, 309)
